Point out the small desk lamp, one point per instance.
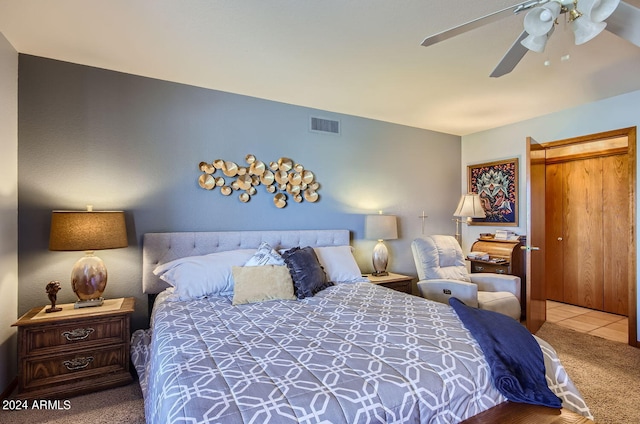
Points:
(380, 227)
(469, 207)
(88, 231)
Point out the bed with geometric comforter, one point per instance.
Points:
(352, 353)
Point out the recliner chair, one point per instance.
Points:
(442, 274)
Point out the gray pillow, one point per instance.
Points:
(308, 276)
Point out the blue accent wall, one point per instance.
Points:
(125, 142)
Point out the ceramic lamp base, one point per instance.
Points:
(380, 259)
(89, 279)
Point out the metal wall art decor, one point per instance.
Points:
(282, 178)
(497, 185)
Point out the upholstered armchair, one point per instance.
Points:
(442, 274)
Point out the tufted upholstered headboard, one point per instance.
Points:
(159, 248)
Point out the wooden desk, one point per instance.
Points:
(513, 262)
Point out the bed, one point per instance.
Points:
(343, 351)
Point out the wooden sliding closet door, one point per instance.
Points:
(582, 233)
(587, 224)
(615, 198)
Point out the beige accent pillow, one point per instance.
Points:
(260, 283)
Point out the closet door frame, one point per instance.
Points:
(621, 141)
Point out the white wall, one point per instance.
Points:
(509, 141)
(8, 210)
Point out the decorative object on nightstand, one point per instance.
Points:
(74, 351)
(89, 231)
(393, 281)
(52, 289)
(380, 227)
(469, 207)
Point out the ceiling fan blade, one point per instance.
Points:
(625, 23)
(513, 56)
(476, 23)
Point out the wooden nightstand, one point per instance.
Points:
(74, 351)
(393, 281)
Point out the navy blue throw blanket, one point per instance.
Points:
(514, 356)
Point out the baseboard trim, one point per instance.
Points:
(10, 388)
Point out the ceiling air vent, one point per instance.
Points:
(323, 125)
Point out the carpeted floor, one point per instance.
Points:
(113, 406)
(606, 373)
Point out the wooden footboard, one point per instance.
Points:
(521, 413)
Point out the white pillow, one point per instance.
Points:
(266, 255)
(194, 277)
(339, 264)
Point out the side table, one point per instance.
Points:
(74, 351)
(393, 281)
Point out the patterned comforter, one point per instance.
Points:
(353, 353)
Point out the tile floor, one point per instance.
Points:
(602, 324)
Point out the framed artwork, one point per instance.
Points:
(496, 183)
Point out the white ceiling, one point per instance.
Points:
(359, 57)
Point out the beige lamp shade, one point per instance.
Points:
(469, 206)
(381, 227)
(88, 231)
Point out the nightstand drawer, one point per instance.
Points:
(73, 366)
(392, 281)
(403, 286)
(47, 338)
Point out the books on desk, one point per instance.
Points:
(478, 256)
(484, 256)
(505, 235)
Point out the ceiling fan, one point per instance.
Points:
(586, 17)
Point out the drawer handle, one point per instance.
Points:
(77, 334)
(479, 268)
(499, 271)
(78, 363)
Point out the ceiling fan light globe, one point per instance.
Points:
(598, 10)
(584, 30)
(546, 16)
(534, 23)
(552, 8)
(535, 43)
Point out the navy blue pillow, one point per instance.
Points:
(308, 275)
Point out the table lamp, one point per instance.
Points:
(469, 207)
(89, 231)
(380, 227)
